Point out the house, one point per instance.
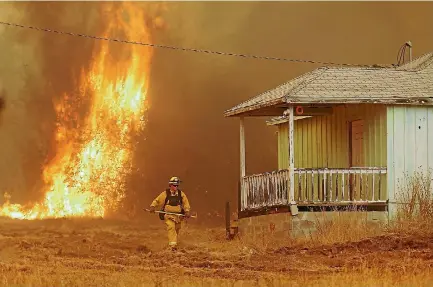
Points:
(346, 136)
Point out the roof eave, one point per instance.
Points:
(239, 111)
(322, 100)
(326, 101)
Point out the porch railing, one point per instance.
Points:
(264, 190)
(340, 185)
(314, 186)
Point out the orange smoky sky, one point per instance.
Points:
(186, 134)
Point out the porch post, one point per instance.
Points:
(293, 207)
(242, 142)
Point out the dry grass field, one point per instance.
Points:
(99, 252)
(347, 251)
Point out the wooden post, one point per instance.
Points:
(293, 207)
(243, 169)
(227, 220)
(242, 142)
(239, 199)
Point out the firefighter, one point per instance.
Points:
(172, 200)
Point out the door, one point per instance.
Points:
(356, 155)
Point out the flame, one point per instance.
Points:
(94, 154)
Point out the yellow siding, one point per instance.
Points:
(323, 141)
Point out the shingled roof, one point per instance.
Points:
(411, 83)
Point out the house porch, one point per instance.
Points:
(338, 160)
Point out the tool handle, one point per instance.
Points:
(171, 213)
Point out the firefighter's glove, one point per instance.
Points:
(152, 209)
(187, 215)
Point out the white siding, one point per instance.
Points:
(409, 142)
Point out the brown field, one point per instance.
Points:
(100, 252)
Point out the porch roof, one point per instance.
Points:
(411, 83)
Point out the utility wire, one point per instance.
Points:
(182, 48)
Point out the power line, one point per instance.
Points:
(182, 48)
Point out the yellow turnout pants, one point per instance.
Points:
(173, 228)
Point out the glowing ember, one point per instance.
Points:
(86, 178)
